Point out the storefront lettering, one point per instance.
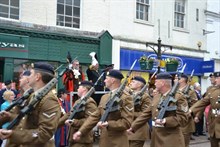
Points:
(11, 45)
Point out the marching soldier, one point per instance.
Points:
(113, 131)
(166, 131)
(212, 99)
(26, 89)
(87, 139)
(191, 99)
(37, 128)
(142, 134)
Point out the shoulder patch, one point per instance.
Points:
(34, 134)
(129, 109)
(49, 115)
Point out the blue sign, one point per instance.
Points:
(207, 66)
(128, 56)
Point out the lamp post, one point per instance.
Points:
(158, 51)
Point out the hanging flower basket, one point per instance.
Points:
(143, 65)
(146, 63)
(170, 67)
(171, 64)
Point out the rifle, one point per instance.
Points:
(36, 99)
(138, 96)
(186, 90)
(112, 104)
(164, 105)
(79, 107)
(20, 100)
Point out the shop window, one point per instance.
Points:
(68, 13)
(9, 9)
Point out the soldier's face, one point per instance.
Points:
(217, 80)
(33, 78)
(81, 90)
(134, 84)
(23, 81)
(212, 80)
(159, 83)
(108, 81)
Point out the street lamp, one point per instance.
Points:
(158, 51)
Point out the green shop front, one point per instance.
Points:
(20, 46)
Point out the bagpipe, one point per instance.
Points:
(112, 104)
(164, 105)
(37, 97)
(69, 66)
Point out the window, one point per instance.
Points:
(9, 9)
(179, 13)
(142, 9)
(68, 13)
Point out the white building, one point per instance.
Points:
(132, 23)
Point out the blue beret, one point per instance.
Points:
(140, 79)
(217, 74)
(26, 73)
(184, 76)
(43, 66)
(85, 83)
(164, 75)
(115, 74)
(7, 82)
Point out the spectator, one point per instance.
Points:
(61, 133)
(72, 77)
(8, 87)
(93, 74)
(8, 97)
(199, 123)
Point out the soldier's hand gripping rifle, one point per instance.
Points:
(36, 99)
(186, 91)
(79, 107)
(112, 104)
(164, 105)
(138, 96)
(20, 100)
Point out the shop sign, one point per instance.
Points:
(14, 45)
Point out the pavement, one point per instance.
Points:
(199, 141)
